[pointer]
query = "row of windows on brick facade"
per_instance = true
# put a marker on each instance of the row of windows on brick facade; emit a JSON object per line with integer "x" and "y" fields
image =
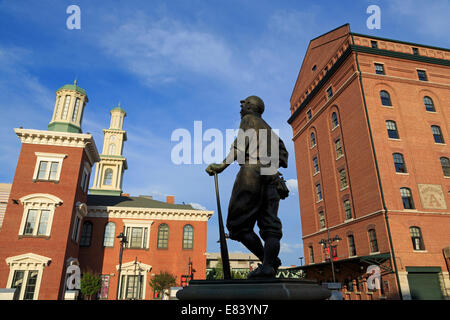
{"x": 392, "y": 132}
{"x": 386, "y": 101}
{"x": 416, "y": 239}
{"x": 137, "y": 236}
{"x": 379, "y": 69}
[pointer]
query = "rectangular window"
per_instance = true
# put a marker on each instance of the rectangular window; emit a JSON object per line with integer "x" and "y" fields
{"x": 343, "y": 179}
{"x": 43, "y": 222}
{"x": 31, "y": 285}
{"x": 379, "y": 68}
{"x": 136, "y": 238}
{"x": 318, "y": 192}
{"x": 31, "y": 222}
{"x": 316, "y": 165}
{"x": 133, "y": 287}
{"x": 311, "y": 254}
{"x": 415, "y": 51}
{"x": 339, "y": 152}
{"x": 309, "y": 114}
{"x": 374, "y": 44}
{"x": 17, "y": 281}
{"x": 422, "y": 75}
{"x": 42, "y": 170}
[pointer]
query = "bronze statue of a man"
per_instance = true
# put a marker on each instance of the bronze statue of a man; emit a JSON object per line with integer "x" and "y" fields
{"x": 258, "y": 187}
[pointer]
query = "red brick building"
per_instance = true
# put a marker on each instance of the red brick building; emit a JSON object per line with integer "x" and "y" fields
{"x": 51, "y": 222}
{"x": 370, "y": 120}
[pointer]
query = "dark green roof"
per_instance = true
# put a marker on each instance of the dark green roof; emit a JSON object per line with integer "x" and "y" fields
{"x": 133, "y": 202}
{"x": 73, "y": 87}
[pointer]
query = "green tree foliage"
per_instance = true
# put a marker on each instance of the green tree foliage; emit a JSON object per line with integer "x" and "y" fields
{"x": 90, "y": 284}
{"x": 162, "y": 281}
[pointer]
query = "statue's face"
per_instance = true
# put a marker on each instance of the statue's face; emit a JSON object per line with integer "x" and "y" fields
{"x": 247, "y": 107}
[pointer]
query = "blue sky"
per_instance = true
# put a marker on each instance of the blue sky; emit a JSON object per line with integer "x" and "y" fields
{"x": 171, "y": 63}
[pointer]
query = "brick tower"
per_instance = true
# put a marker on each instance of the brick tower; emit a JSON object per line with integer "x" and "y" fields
{"x": 47, "y": 203}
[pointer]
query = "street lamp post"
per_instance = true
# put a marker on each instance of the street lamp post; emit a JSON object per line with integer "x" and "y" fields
{"x": 328, "y": 243}
{"x": 123, "y": 241}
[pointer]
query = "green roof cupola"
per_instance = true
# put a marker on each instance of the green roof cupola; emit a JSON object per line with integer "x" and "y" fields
{"x": 68, "y": 112}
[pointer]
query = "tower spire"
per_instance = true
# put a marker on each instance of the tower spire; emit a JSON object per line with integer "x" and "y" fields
{"x": 109, "y": 171}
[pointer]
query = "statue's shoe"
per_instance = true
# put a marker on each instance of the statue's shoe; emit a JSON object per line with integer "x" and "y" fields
{"x": 262, "y": 272}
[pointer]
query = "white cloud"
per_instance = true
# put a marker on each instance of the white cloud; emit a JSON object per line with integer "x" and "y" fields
{"x": 159, "y": 51}
{"x": 197, "y": 206}
{"x": 290, "y": 247}
{"x": 427, "y": 17}
{"x": 292, "y": 185}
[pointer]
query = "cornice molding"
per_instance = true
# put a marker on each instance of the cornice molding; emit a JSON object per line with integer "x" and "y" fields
{"x": 148, "y": 213}
{"x": 63, "y": 139}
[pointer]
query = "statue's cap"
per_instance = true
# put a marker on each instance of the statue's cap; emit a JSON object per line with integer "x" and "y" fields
{"x": 256, "y": 101}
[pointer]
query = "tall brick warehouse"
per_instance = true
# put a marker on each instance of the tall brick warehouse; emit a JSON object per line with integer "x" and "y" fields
{"x": 370, "y": 120}
{"x": 51, "y": 223}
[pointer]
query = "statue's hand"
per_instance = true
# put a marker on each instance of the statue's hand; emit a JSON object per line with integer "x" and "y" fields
{"x": 215, "y": 168}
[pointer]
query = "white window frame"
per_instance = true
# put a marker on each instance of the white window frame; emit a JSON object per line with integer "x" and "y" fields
{"x": 84, "y": 184}
{"x": 129, "y": 269}
{"x": 138, "y": 224}
{"x": 48, "y": 157}
{"x": 27, "y": 262}
{"x": 39, "y": 201}
{"x": 81, "y": 212}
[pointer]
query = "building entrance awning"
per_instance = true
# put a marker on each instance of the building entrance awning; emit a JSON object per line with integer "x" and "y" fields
{"x": 375, "y": 259}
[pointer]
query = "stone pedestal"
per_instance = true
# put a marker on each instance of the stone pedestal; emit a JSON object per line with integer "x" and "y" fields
{"x": 270, "y": 289}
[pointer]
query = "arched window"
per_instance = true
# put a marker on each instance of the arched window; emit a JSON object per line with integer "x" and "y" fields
{"x": 334, "y": 120}
{"x": 313, "y": 139}
{"x": 373, "y": 242}
{"x": 110, "y": 233}
{"x": 429, "y": 105}
{"x": 385, "y": 98}
{"x": 108, "y": 177}
{"x": 399, "y": 163}
{"x": 322, "y": 219}
{"x": 347, "y": 210}
{"x": 188, "y": 237}
{"x": 66, "y": 107}
{"x": 86, "y": 234}
{"x": 163, "y": 236}
{"x": 75, "y": 109}
{"x": 351, "y": 246}
{"x": 392, "y": 129}
{"x": 407, "y": 199}
{"x": 445, "y": 163}
{"x": 112, "y": 149}
{"x": 416, "y": 237}
{"x": 437, "y": 134}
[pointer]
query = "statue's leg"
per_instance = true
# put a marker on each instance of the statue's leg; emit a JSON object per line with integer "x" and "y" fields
{"x": 253, "y": 243}
{"x": 271, "y": 251}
